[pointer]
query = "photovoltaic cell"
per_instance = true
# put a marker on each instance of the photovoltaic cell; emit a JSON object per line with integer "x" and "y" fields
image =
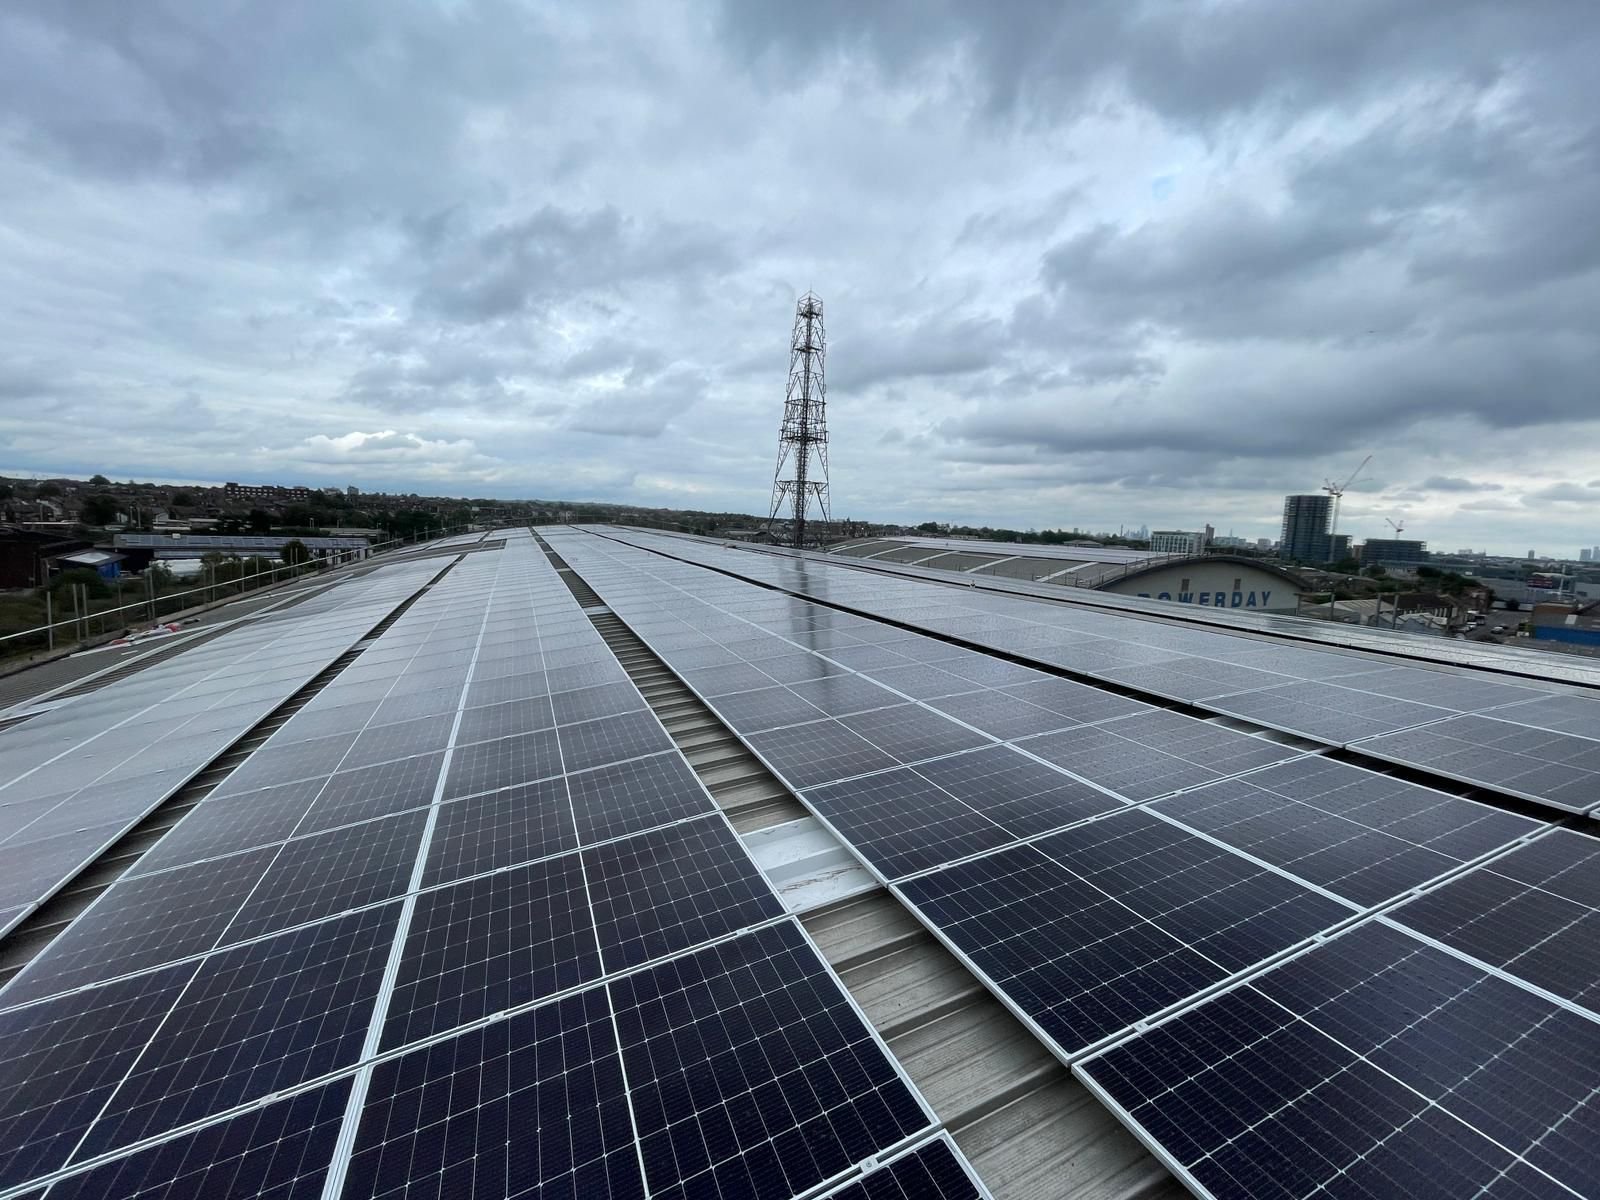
{"x": 534, "y": 1105}
{"x": 1373, "y": 1065}
{"x": 256, "y": 1019}
{"x": 750, "y": 1072}
{"x": 673, "y": 888}
{"x": 492, "y": 943}
{"x": 1534, "y": 913}
{"x": 276, "y": 1152}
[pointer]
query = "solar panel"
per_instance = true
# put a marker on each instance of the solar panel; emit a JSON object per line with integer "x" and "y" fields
{"x": 142, "y": 923}
{"x": 61, "y": 1060}
{"x": 611, "y": 739}
{"x": 1325, "y": 712}
{"x": 1112, "y": 921}
{"x": 504, "y": 762}
{"x": 1190, "y": 679}
{"x": 1001, "y": 715}
{"x": 490, "y": 943}
{"x": 1145, "y": 756}
{"x": 765, "y": 708}
{"x": 900, "y": 823}
{"x": 1534, "y": 913}
{"x": 383, "y": 743}
{"x": 360, "y": 795}
{"x": 1363, "y": 836}
{"x": 817, "y": 753}
{"x": 1371, "y": 1065}
{"x": 933, "y": 1171}
{"x": 501, "y": 829}
{"x": 605, "y": 700}
{"x": 1551, "y": 768}
{"x": 751, "y": 1073}
{"x": 669, "y": 889}
{"x": 277, "y": 1151}
{"x": 532, "y": 1105}
{"x": 509, "y": 717}
{"x": 1020, "y": 794}
{"x": 254, "y": 1020}
{"x": 326, "y": 874}
{"x": 911, "y": 732}
{"x": 629, "y": 797}
{"x": 1445, "y": 689}
{"x": 1575, "y": 714}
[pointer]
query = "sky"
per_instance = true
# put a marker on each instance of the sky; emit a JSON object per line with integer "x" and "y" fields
{"x": 1092, "y": 264}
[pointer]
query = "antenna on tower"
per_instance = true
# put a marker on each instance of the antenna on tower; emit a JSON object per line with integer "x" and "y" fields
{"x": 803, "y": 438}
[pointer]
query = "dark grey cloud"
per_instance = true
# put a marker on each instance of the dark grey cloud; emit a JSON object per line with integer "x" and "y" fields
{"x": 553, "y": 254}
{"x": 1455, "y": 483}
{"x": 1192, "y": 64}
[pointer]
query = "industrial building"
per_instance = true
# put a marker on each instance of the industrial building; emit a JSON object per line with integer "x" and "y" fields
{"x": 1211, "y": 580}
{"x": 603, "y": 862}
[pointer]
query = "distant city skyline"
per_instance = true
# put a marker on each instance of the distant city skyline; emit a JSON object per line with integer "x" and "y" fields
{"x": 1092, "y": 264}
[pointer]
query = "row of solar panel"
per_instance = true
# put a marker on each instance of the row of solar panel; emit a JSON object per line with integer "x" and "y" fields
{"x": 1117, "y": 919}
{"x": 511, "y": 896}
{"x": 79, "y": 775}
{"x": 1378, "y": 1064}
{"x": 142, "y": 1012}
{"x": 1392, "y": 644}
{"x": 1539, "y": 742}
{"x": 1335, "y": 825}
{"x": 738, "y": 1070}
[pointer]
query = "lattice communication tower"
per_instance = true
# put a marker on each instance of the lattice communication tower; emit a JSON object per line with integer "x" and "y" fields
{"x": 801, "y": 477}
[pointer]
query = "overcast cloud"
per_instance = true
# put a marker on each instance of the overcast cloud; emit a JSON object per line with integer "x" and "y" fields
{"x": 1091, "y": 263}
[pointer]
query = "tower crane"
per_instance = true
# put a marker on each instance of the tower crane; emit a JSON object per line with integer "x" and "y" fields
{"x": 1337, "y": 490}
{"x": 1398, "y": 528}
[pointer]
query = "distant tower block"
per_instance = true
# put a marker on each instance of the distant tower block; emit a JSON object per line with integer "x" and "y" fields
{"x": 801, "y": 479}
